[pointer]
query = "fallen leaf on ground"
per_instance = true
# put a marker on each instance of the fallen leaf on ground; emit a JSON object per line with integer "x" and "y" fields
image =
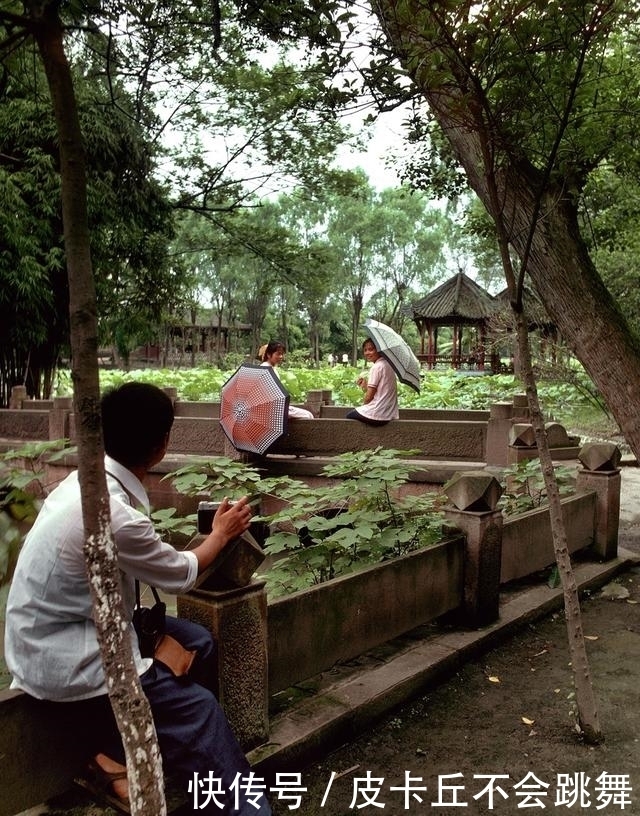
{"x": 527, "y": 721}
{"x": 493, "y": 679}
{"x": 591, "y": 637}
{"x": 615, "y": 591}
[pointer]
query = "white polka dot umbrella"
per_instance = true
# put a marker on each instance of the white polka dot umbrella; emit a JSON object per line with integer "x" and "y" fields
{"x": 254, "y": 408}
{"x": 396, "y": 350}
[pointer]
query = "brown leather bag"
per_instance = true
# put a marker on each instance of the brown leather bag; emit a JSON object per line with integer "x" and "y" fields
{"x": 150, "y": 624}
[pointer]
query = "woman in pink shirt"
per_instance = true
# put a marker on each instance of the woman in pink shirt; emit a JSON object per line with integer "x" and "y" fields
{"x": 380, "y": 390}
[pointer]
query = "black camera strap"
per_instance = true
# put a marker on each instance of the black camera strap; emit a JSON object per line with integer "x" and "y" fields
{"x": 153, "y": 589}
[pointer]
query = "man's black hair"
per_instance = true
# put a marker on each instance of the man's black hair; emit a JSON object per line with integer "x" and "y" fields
{"x": 136, "y": 418}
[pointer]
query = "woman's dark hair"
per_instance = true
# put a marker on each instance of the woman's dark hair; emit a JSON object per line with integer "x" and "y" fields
{"x": 136, "y": 418}
{"x": 272, "y": 347}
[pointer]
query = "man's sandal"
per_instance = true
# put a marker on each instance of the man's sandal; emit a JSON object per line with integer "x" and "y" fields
{"x": 99, "y": 777}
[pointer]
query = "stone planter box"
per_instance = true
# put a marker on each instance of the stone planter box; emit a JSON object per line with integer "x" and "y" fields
{"x": 527, "y": 546}
{"x": 311, "y": 630}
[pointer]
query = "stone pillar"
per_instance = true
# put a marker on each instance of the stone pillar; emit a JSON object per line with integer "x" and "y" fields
{"x": 521, "y": 411}
{"x": 314, "y": 401}
{"x": 474, "y": 496}
{"x": 171, "y": 392}
{"x": 59, "y": 417}
{"x": 522, "y": 443}
{"x": 18, "y": 394}
{"x": 498, "y": 429}
{"x": 601, "y": 474}
{"x": 237, "y": 618}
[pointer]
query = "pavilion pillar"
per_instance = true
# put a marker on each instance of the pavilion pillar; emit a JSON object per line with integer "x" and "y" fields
{"x": 456, "y": 346}
{"x": 483, "y": 345}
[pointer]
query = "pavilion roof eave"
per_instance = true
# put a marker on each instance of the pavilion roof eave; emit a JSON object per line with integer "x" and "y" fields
{"x": 449, "y": 320}
{"x": 459, "y": 299}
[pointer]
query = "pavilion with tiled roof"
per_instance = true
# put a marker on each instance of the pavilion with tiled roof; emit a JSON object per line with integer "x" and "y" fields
{"x": 456, "y": 303}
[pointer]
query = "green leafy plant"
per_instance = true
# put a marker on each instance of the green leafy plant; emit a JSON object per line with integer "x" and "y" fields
{"x": 213, "y": 478}
{"x": 173, "y": 527}
{"x": 216, "y": 477}
{"x": 359, "y": 518}
{"x": 22, "y": 489}
{"x": 525, "y": 488}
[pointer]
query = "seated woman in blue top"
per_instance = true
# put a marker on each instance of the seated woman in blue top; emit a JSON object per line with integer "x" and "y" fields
{"x": 380, "y": 403}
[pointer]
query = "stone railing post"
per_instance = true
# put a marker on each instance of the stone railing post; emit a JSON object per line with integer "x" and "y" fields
{"x": 498, "y": 428}
{"x": 314, "y": 401}
{"x": 172, "y": 392}
{"x": 522, "y": 443}
{"x": 18, "y": 394}
{"x": 474, "y": 496}
{"x": 59, "y": 417}
{"x": 521, "y": 411}
{"x": 237, "y": 618}
{"x": 601, "y": 474}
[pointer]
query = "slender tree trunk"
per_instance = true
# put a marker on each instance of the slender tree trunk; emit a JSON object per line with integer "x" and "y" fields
{"x": 585, "y": 699}
{"x": 129, "y": 703}
{"x": 559, "y": 265}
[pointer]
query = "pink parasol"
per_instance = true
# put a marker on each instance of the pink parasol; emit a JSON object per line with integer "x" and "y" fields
{"x": 254, "y": 408}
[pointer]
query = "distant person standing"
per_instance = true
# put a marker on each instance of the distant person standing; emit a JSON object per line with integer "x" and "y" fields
{"x": 380, "y": 404}
{"x": 272, "y": 354}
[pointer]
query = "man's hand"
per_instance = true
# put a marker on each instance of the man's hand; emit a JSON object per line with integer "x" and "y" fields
{"x": 232, "y": 518}
{"x": 230, "y": 521}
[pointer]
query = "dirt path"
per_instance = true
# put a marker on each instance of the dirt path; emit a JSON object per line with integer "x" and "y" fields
{"x": 508, "y": 713}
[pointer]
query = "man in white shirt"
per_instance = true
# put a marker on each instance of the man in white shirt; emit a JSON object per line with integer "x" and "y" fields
{"x": 51, "y": 646}
{"x": 380, "y": 390}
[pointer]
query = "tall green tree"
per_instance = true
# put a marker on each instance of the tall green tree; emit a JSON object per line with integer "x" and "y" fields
{"x": 610, "y": 222}
{"x": 413, "y": 250}
{"x": 131, "y": 708}
{"x": 356, "y": 229}
{"x": 129, "y": 217}
{"x": 530, "y": 100}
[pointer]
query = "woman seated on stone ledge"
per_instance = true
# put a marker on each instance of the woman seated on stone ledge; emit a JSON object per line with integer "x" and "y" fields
{"x": 272, "y": 354}
{"x": 380, "y": 404}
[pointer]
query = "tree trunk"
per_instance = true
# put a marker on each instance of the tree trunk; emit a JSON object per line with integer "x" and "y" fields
{"x": 585, "y": 699}
{"x": 129, "y": 703}
{"x": 559, "y": 265}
